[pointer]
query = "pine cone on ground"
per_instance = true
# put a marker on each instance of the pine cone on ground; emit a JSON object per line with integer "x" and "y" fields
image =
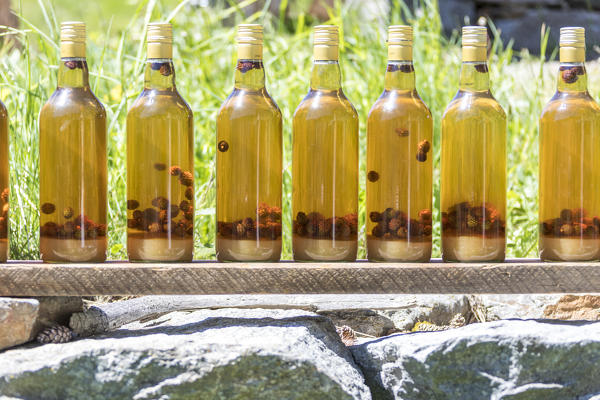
{"x": 55, "y": 334}
{"x": 346, "y": 334}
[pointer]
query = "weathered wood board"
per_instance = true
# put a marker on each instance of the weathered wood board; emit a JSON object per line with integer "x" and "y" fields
{"x": 122, "y": 278}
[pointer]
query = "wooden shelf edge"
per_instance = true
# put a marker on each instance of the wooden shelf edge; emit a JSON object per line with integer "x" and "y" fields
{"x": 33, "y": 278}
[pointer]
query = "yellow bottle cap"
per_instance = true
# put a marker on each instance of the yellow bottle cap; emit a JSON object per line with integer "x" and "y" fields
{"x": 474, "y": 43}
{"x": 72, "y": 39}
{"x": 250, "y": 41}
{"x": 160, "y": 40}
{"x": 572, "y": 44}
{"x": 326, "y": 42}
{"x": 400, "y": 39}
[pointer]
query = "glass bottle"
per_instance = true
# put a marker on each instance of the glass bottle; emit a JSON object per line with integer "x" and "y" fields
{"x": 4, "y": 185}
{"x": 160, "y": 161}
{"x": 73, "y": 161}
{"x": 249, "y": 161}
{"x": 473, "y": 185}
{"x": 569, "y": 162}
{"x": 399, "y": 162}
{"x": 325, "y": 162}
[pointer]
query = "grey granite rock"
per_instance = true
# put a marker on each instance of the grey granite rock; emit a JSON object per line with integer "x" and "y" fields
{"x": 222, "y": 354}
{"x": 509, "y": 359}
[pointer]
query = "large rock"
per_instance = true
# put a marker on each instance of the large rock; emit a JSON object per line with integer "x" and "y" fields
{"x": 496, "y": 360}
{"x": 17, "y": 321}
{"x": 224, "y": 354}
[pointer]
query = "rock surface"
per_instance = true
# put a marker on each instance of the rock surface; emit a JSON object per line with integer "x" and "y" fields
{"x": 505, "y": 306}
{"x": 223, "y": 354}
{"x": 375, "y": 315}
{"x": 573, "y": 307}
{"x": 56, "y": 310}
{"x": 17, "y": 321}
{"x": 496, "y": 360}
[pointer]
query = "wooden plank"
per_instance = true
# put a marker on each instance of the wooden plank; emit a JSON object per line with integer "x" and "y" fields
{"x": 121, "y": 278}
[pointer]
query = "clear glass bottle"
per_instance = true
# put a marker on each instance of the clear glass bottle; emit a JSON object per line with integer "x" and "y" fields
{"x": 73, "y": 180}
{"x": 249, "y": 161}
{"x": 399, "y": 162}
{"x": 160, "y": 161}
{"x": 473, "y": 184}
{"x": 4, "y": 185}
{"x": 325, "y": 162}
{"x": 569, "y": 162}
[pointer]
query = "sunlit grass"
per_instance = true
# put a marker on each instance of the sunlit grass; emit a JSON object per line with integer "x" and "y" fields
{"x": 204, "y": 60}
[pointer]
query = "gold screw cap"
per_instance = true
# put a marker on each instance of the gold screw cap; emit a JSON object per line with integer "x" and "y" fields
{"x": 326, "y": 42}
{"x": 72, "y": 39}
{"x": 474, "y": 43}
{"x": 572, "y": 44}
{"x": 160, "y": 40}
{"x": 250, "y": 41}
{"x": 400, "y": 40}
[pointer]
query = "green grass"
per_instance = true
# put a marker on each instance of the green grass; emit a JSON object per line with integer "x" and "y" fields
{"x": 204, "y": 59}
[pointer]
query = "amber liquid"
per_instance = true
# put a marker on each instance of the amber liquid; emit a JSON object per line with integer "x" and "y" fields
{"x": 73, "y": 179}
{"x": 4, "y": 185}
{"x": 399, "y": 172}
{"x": 160, "y": 171}
{"x": 570, "y": 171}
{"x": 325, "y": 171}
{"x": 473, "y": 172}
{"x": 249, "y": 170}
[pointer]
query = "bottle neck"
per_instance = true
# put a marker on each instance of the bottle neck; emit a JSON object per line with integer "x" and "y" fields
{"x": 159, "y": 74}
{"x": 572, "y": 77}
{"x": 400, "y": 75}
{"x": 249, "y": 74}
{"x": 326, "y": 75}
{"x": 474, "y": 76}
{"x": 73, "y": 73}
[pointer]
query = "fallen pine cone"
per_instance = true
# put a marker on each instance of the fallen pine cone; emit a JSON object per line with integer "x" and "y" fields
{"x": 347, "y": 335}
{"x": 55, "y": 334}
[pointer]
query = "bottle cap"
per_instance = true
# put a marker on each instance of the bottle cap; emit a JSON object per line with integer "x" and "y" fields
{"x": 72, "y": 40}
{"x": 572, "y": 44}
{"x": 250, "y": 42}
{"x": 400, "y": 39}
{"x": 326, "y": 42}
{"x": 160, "y": 40}
{"x": 474, "y": 43}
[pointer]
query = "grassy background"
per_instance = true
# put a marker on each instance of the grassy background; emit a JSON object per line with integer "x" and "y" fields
{"x": 204, "y": 61}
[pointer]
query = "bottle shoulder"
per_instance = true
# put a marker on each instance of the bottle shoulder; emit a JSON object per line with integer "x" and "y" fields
{"x": 571, "y": 104}
{"x": 395, "y": 104}
{"x": 157, "y": 103}
{"x": 318, "y": 103}
{"x": 468, "y": 104}
{"x": 80, "y": 102}
{"x": 241, "y": 103}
